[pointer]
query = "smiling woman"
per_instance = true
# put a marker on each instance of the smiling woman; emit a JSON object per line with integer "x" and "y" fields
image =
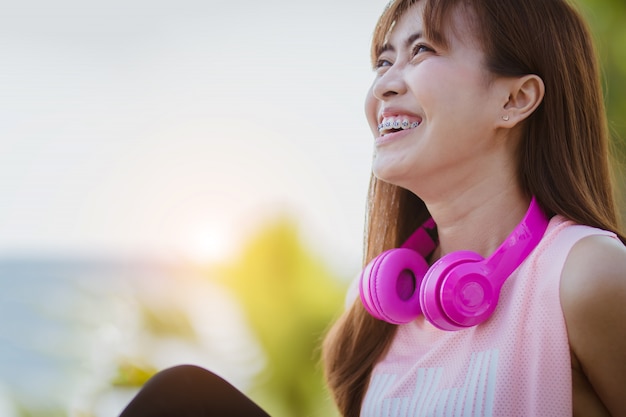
{"x": 477, "y": 298}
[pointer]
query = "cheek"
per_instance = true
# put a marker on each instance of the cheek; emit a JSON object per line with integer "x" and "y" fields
{"x": 371, "y": 110}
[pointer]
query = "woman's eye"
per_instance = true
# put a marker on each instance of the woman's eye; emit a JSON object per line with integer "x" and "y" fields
{"x": 382, "y": 63}
{"x": 420, "y": 48}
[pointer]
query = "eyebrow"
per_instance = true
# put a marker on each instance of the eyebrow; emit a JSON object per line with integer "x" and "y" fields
{"x": 388, "y": 47}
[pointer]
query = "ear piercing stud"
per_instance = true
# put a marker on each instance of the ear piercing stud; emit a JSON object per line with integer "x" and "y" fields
{"x": 505, "y": 117}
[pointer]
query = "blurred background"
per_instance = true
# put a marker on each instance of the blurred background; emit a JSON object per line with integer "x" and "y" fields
{"x": 184, "y": 182}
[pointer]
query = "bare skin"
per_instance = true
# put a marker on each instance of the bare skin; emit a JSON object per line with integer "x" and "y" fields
{"x": 593, "y": 298}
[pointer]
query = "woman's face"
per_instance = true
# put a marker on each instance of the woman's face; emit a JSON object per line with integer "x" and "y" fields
{"x": 433, "y": 110}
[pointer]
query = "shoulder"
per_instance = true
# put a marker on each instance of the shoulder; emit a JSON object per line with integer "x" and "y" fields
{"x": 595, "y": 266}
{"x": 593, "y": 283}
{"x": 593, "y": 299}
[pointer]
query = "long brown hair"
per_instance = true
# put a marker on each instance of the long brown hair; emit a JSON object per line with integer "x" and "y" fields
{"x": 564, "y": 158}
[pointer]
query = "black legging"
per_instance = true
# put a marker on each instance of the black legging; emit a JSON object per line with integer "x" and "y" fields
{"x": 190, "y": 391}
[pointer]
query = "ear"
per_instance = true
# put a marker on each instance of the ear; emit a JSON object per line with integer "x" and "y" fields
{"x": 525, "y": 95}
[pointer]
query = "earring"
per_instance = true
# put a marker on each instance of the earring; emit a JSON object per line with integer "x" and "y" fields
{"x": 505, "y": 117}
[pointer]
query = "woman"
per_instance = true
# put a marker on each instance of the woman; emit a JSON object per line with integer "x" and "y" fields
{"x": 486, "y": 114}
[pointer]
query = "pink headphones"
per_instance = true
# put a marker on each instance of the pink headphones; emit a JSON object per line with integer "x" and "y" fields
{"x": 460, "y": 290}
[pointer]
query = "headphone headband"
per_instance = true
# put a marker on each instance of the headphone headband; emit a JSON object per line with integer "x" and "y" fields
{"x": 520, "y": 242}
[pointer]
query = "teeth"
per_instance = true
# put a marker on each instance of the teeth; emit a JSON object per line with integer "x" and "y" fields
{"x": 404, "y": 124}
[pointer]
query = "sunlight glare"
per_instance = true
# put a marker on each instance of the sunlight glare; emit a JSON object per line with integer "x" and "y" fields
{"x": 209, "y": 244}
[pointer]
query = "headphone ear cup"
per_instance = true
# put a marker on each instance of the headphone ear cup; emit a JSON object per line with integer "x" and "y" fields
{"x": 448, "y": 291}
{"x": 470, "y": 294}
{"x": 389, "y": 285}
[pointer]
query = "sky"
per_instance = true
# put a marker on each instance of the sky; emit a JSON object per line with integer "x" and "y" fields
{"x": 176, "y": 128}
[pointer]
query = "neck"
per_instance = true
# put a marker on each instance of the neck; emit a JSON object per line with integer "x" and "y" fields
{"x": 477, "y": 222}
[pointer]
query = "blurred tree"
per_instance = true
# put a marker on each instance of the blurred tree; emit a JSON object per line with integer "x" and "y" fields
{"x": 608, "y": 23}
{"x": 290, "y": 298}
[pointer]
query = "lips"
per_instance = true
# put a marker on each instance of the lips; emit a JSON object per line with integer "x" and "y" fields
{"x": 391, "y": 124}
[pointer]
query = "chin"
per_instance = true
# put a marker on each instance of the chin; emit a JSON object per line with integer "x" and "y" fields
{"x": 398, "y": 175}
{"x": 390, "y": 175}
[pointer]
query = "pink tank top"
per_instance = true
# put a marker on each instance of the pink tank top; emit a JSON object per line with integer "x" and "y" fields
{"x": 517, "y": 364}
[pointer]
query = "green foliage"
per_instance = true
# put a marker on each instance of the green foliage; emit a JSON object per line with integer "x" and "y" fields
{"x": 130, "y": 374}
{"x": 608, "y": 22}
{"x": 607, "y": 19}
{"x": 290, "y": 299}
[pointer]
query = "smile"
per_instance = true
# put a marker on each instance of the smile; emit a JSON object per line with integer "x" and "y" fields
{"x": 396, "y": 124}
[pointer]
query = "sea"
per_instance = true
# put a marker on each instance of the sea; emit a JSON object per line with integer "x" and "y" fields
{"x": 67, "y": 325}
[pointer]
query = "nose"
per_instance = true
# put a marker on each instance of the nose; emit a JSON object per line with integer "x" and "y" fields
{"x": 389, "y": 84}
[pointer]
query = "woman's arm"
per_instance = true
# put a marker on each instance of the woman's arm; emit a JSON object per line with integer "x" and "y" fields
{"x": 593, "y": 298}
